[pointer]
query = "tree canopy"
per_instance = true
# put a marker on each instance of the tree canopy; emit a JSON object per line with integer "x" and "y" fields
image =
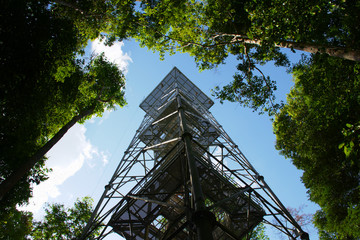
{"x": 253, "y": 31}
{"x": 310, "y": 130}
{"x": 59, "y": 222}
{"x": 45, "y": 89}
{"x": 64, "y": 223}
{"x": 211, "y": 30}
{"x": 15, "y": 224}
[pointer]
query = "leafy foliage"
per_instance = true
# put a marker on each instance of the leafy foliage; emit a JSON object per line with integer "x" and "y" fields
{"x": 351, "y": 144}
{"x": 64, "y": 223}
{"x": 15, "y": 224}
{"x": 44, "y": 86}
{"x": 59, "y": 222}
{"x": 309, "y": 130}
{"x": 36, "y": 48}
{"x": 258, "y": 233}
{"x": 253, "y": 31}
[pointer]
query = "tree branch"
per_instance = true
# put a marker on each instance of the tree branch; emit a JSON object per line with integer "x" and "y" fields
{"x": 335, "y": 51}
{"x": 262, "y": 74}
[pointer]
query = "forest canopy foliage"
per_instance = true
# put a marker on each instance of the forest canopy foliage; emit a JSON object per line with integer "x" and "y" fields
{"x": 59, "y": 222}
{"x": 254, "y": 32}
{"x": 319, "y": 121}
{"x": 45, "y": 90}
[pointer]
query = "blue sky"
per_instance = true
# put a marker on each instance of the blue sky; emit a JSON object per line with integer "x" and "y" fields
{"x": 85, "y": 159}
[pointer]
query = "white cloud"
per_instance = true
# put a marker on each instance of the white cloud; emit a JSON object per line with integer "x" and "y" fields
{"x": 104, "y": 158}
{"x": 66, "y": 158}
{"x": 114, "y": 53}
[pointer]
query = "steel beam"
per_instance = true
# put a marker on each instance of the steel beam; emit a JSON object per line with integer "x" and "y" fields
{"x": 203, "y": 218}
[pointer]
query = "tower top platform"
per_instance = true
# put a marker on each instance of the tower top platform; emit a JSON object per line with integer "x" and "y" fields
{"x": 175, "y": 79}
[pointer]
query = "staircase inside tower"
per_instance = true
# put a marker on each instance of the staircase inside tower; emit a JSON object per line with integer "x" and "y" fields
{"x": 159, "y": 207}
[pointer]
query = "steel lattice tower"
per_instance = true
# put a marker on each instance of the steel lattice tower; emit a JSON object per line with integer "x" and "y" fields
{"x": 182, "y": 177}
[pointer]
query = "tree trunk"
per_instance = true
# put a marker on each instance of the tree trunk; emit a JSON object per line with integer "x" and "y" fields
{"x": 341, "y": 52}
{"x": 15, "y": 177}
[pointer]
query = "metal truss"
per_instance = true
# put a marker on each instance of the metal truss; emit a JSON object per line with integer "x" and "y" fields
{"x": 182, "y": 177}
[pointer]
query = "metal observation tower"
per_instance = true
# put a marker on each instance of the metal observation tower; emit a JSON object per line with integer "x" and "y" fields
{"x": 182, "y": 177}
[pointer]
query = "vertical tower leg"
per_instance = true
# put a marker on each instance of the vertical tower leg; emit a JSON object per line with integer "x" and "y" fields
{"x": 203, "y": 218}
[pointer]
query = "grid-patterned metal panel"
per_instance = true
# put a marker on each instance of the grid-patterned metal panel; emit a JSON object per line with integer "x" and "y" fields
{"x": 165, "y": 91}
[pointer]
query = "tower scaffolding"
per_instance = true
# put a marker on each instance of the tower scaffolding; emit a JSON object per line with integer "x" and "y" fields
{"x": 182, "y": 177}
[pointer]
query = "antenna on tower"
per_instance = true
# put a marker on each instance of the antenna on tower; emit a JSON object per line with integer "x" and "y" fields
{"x": 182, "y": 177}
